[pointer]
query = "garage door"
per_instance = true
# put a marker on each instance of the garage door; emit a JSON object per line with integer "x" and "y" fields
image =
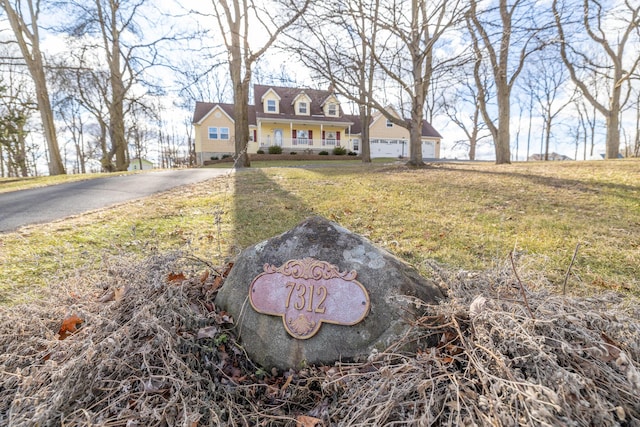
{"x": 387, "y": 148}
{"x": 428, "y": 150}
{"x": 397, "y": 148}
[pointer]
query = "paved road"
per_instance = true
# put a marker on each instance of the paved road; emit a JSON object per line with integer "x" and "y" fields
{"x": 54, "y": 202}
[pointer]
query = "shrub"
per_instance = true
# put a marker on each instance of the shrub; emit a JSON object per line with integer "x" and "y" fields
{"x": 352, "y": 153}
{"x": 226, "y": 156}
{"x": 293, "y": 153}
{"x": 339, "y": 151}
{"x": 260, "y": 152}
{"x": 275, "y": 149}
{"x": 214, "y": 157}
{"x": 323, "y": 153}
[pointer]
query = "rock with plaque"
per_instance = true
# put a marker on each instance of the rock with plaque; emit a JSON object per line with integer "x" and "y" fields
{"x": 319, "y": 293}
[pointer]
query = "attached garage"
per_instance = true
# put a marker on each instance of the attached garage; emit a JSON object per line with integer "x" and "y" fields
{"x": 400, "y": 148}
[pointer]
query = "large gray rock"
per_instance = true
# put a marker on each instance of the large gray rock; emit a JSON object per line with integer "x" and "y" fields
{"x": 391, "y": 284}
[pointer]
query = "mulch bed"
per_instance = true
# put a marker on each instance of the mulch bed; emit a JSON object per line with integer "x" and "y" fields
{"x": 144, "y": 345}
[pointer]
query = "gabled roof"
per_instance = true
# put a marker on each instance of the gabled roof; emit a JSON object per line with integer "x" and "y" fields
{"x": 330, "y": 96}
{"x": 302, "y": 94}
{"x": 287, "y": 96}
{"x": 204, "y": 108}
{"x": 266, "y": 92}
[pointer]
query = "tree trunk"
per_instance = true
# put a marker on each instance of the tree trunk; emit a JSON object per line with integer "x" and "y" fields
{"x": 365, "y": 143}
{"x": 613, "y": 126}
{"x": 415, "y": 145}
{"x": 29, "y": 44}
{"x": 116, "y": 107}
{"x": 503, "y": 140}
{"x": 241, "y": 126}
{"x": 547, "y": 137}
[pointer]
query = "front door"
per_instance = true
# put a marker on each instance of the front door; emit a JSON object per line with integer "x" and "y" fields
{"x": 277, "y": 135}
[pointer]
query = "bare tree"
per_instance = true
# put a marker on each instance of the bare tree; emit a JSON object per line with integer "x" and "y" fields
{"x": 234, "y": 18}
{"x": 608, "y": 53}
{"x": 636, "y": 141}
{"x": 546, "y": 82}
{"x": 23, "y": 16}
{"x": 462, "y": 107}
{"x": 409, "y": 31}
{"x": 123, "y": 38}
{"x": 504, "y": 35}
{"x": 14, "y": 114}
{"x": 334, "y": 41}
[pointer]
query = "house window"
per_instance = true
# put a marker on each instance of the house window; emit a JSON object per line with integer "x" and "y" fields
{"x": 302, "y": 107}
{"x": 271, "y": 105}
{"x": 356, "y": 144}
{"x": 389, "y": 123}
{"x": 330, "y": 138}
{"x": 213, "y": 133}
{"x": 332, "y": 110}
{"x": 302, "y": 137}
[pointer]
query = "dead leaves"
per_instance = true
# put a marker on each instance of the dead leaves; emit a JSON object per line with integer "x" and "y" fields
{"x": 69, "y": 326}
{"x": 208, "y": 332}
{"x": 176, "y": 278}
{"x": 116, "y": 294}
{"x": 307, "y": 421}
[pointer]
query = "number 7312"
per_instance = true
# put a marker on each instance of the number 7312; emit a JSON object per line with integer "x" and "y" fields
{"x": 303, "y": 296}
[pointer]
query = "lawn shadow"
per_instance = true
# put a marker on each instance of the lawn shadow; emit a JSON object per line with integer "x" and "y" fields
{"x": 624, "y": 191}
{"x": 262, "y": 208}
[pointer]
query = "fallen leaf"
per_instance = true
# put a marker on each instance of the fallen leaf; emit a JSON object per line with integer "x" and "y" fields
{"x": 208, "y": 332}
{"x": 217, "y": 283}
{"x": 286, "y": 384}
{"x": 307, "y": 421}
{"x": 224, "y": 317}
{"x": 69, "y": 326}
{"x": 204, "y": 276}
{"x": 227, "y": 270}
{"x": 120, "y": 292}
{"x": 108, "y": 297}
{"x": 176, "y": 277}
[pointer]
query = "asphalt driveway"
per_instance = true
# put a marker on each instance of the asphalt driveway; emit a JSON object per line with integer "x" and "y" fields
{"x": 40, "y": 205}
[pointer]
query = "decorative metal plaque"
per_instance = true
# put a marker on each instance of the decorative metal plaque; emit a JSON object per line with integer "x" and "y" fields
{"x": 308, "y": 292}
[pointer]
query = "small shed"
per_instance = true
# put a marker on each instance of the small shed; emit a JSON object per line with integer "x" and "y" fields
{"x": 140, "y": 164}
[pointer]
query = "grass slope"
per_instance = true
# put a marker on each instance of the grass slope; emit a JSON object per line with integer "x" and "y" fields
{"x": 465, "y": 215}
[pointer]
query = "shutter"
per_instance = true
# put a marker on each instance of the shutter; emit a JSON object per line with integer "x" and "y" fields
{"x": 338, "y": 138}
{"x": 323, "y": 137}
{"x": 294, "y": 137}
{"x": 310, "y": 137}
{"x": 255, "y": 135}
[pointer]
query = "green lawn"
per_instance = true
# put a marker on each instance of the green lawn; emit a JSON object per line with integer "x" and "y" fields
{"x": 464, "y": 215}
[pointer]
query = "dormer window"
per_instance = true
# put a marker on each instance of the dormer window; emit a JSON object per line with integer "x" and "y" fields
{"x": 271, "y": 105}
{"x": 332, "y": 110}
{"x": 302, "y": 107}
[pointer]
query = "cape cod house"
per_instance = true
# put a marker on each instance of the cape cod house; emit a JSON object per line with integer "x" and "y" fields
{"x": 300, "y": 120}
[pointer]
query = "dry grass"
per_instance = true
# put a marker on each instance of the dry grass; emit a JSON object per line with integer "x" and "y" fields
{"x": 153, "y": 351}
{"x": 23, "y": 183}
{"x": 469, "y": 215}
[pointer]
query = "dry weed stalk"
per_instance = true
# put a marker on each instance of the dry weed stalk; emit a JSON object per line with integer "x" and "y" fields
{"x": 138, "y": 361}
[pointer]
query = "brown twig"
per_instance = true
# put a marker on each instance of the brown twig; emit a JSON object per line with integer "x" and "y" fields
{"x": 566, "y": 277}
{"x": 524, "y": 295}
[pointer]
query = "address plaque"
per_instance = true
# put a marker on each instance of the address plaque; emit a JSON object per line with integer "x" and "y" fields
{"x": 308, "y": 292}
